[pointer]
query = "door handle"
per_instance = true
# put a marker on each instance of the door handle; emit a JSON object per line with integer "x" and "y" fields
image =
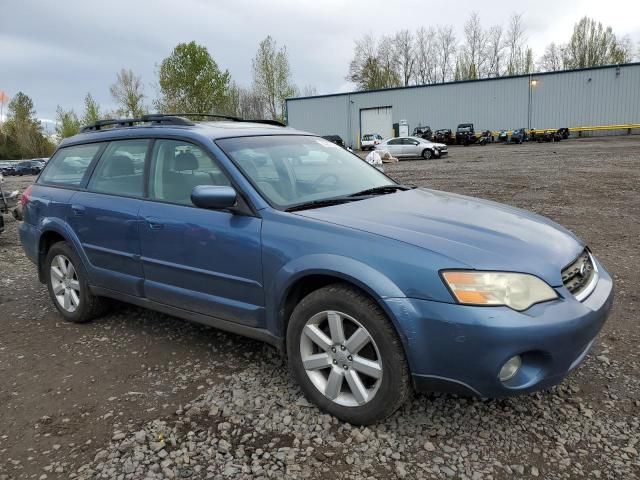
{"x": 78, "y": 210}
{"x": 154, "y": 224}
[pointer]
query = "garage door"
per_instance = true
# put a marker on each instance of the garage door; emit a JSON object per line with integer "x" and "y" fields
{"x": 376, "y": 120}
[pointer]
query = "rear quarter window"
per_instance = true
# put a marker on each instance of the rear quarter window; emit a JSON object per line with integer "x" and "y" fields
{"x": 69, "y": 165}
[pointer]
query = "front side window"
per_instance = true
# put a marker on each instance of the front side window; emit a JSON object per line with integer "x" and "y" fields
{"x": 69, "y": 165}
{"x": 290, "y": 169}
{"x": 120, "y": 170}
{"x": 177, "y": 167}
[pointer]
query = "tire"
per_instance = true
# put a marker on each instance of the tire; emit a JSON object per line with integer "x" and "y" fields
{"x": 427, "y": 154}
{"x": 83, "y": 306}
{"x": 377, "y": 398}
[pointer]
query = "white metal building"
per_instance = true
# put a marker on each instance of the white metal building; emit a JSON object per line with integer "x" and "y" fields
{"x": 587, "y": 97}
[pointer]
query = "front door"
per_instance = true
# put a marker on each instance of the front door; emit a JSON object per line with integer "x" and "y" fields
{"x": 202, "y": 261}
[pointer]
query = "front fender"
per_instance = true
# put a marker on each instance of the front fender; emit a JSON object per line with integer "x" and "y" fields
{"x": 352, "y": 271}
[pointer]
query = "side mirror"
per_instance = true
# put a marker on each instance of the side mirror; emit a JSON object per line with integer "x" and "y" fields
{"x": 213, "y": 198}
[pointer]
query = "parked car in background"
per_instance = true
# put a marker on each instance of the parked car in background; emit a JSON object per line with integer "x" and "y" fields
{"x": 545, "y": 136}
{"x": 29, "y": 167}
{"x": 369, "y": 141}
{"x": 503, "y": 136}
{"x": 463, "y": 132}
{"x": 519, "y": 135}
{"x": 372, "y": 288}
{"x": 564, "y": 133}
{"x": 7, "y": 168}
{"x": 413, "y": 147}
{"x": 337, "y": 139}
{"x": 444, "y": 135}
{"x": 423, "y": 132}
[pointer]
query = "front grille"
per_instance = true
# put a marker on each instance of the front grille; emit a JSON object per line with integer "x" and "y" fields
{"x": 577, "y": 277}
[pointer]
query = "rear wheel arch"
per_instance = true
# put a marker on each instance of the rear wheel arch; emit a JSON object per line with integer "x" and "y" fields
{"x": 47, "y": 240}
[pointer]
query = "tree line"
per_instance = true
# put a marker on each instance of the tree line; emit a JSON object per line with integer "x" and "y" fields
{"x": 435, "y": 55}
{"x": 189, "y": 80}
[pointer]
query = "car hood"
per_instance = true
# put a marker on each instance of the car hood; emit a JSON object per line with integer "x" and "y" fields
{"x": 480, "y": 234}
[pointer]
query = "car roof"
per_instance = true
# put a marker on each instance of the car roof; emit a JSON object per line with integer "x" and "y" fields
{"x": 212, "y": 130}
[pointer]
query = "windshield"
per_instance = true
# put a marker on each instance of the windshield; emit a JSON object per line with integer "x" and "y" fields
{"x": 289, "y": 170}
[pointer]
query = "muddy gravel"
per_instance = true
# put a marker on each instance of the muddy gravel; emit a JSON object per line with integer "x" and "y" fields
{"x": 138, "y": 394}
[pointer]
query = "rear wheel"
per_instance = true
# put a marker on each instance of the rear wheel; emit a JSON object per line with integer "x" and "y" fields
{"x": 427, "y": 154}
{"x": 347, "y": 356}
{"x": 68, "y": 287}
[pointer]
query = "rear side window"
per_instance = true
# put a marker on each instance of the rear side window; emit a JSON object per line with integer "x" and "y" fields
{"x": 120, "y": 170}
{"x": 69, "y": 165}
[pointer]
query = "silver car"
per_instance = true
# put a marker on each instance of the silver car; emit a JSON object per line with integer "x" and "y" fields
{"x": 406, "y": 147}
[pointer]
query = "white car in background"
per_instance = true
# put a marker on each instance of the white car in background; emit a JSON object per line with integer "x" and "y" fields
{"x": 369, "y": 141}
{"x": 412, "y": 147}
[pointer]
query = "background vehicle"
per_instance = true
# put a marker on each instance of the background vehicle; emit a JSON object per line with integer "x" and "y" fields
{"x": 464, "y": 132}
{"x": 29, "y": 167}
{"x": 444, "y": 135}
{"x": 423, "y": 132}
{"x": 519, "y": 135}
{"x": 369, "y": 141}
{"x": 337, "y": 139}
{"x": 8, "y": 201}
{"x": 545, "y": 136}
{"x": 503, "y": 136}
{"x": 564, "y": 133}
{"x": 7, "y": 168}
{"x": 413, "y": 147}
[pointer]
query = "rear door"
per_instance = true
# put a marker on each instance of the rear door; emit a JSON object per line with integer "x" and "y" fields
{"x": 203, "y": 261}
{"x": 105, "y": 217}
{"x": 394, "y": 147}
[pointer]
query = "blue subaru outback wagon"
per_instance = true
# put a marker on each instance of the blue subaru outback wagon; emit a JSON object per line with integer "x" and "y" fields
{"x": 372, "y": 288}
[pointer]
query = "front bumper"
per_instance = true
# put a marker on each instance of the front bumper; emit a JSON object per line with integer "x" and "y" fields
{"x": 461, "y": 349}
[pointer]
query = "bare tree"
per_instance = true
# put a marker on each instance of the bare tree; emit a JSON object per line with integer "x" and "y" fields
{"x": 426, "y": 56}
{"x": 128, "y": 94}
{"x": 494, "y": 51}
{"x": 373, "y": 64}
{"x": 445, "y": 51}
{"x": 309, "y": 91}
{"x": 404, "y": 55}
{"x": 624, "y": 52}
{"x": 552, "y": 58}
{"x": 516, "y": 48}
{"x": 472, "y": 59}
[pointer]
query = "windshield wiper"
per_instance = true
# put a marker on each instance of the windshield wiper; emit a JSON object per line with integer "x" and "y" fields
{"x": 381, "y": 190}
{"x": 327, "y": 202}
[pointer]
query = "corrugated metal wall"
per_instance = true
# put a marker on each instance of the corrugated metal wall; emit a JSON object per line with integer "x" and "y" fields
{"x": 602, "y": 96}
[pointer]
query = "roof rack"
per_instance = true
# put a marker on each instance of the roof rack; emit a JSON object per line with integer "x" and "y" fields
{"x": 229, "y": 117}
{"x": 157, "y": 118}
{"x": 168, "y": 119}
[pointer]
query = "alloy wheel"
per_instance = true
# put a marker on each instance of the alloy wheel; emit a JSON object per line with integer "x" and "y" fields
{"x": 341, "y": 358}
{"x": 65, "y": 283}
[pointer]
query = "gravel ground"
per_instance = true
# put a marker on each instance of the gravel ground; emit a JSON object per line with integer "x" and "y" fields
{"x": 142, "y": 395}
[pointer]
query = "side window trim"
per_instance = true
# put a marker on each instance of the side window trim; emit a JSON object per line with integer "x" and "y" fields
{"x": 146, "y": 176}
{"x": 92, "y": 165}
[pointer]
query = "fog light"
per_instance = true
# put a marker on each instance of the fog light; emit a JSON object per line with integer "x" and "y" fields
{"x": 510, "y": 368}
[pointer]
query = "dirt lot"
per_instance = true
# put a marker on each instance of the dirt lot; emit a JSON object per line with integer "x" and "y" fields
{"x": 138, "y": 394}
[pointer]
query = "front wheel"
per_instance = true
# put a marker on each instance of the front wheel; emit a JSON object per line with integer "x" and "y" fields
{"x": 68, "y": 286}
{"x": 346, "y": 355}
{"x": 427, "y": 154}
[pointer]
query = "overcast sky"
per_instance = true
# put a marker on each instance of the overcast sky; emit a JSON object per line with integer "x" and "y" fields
{"x": 57, "y": 51}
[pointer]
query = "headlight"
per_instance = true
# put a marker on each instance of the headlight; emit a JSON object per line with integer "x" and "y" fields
{"x": 515, "y": 290}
